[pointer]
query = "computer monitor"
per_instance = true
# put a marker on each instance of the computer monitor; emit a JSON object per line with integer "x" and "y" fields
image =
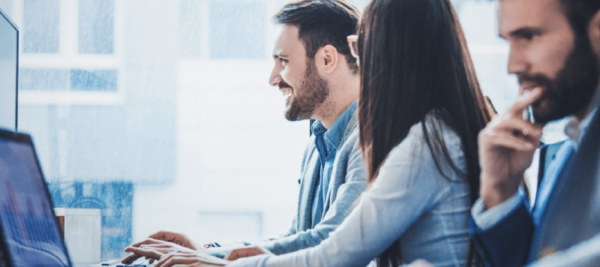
{"x": 29, "y": 231}
{"x": 9, "y": 60}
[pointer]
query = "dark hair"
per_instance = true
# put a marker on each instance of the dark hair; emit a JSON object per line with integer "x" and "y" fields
{"x": 414, "y": 61}
{"x": 579, "y": 13}
{"x": 322, "y": 22}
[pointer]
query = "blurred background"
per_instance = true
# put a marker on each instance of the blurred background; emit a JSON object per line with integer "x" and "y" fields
{"x": 159, "y": 112}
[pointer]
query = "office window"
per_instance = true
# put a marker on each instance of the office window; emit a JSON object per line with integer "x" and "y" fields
{"x": 41, "y": 26}
{"x": 237, "y": 29}
{"x": 96, "y": 26}
{"x": 190, "y": 29}
{"x": 43, "y": 79}
{"x": 65, "y": 80}
{"x": 96, "y": 80}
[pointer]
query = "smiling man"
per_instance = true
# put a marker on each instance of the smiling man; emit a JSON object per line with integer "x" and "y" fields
{"x": 319, "y": 80}
{"x": 554, "y": 52}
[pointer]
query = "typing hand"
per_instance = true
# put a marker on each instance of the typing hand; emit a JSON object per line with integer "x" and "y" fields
{"x": 189, "y": 259}
{"x": 506, "y": 149}
{"x": 246, "y": 252}
{"x": 152, "y": 249}
{"x": 177, "y": 238}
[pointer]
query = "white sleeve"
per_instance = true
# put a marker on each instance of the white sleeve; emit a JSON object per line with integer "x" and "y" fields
{"x": 487, "y": 219}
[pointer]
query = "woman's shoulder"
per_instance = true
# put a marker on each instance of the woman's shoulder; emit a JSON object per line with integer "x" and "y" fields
{"x": 416, "y": 142}
{"x": 436, "y": 124}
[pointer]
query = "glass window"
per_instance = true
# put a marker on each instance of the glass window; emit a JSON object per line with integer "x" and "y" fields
{"x": 190, "y": 37}
{"x": 96, "y": 80}
{"x": 43, "y": 79}
{"x": 96, "y": 26}
{"x": 41, "y": 26}
{"x": 64, "y": 80}
{"x": 237, "y": 29}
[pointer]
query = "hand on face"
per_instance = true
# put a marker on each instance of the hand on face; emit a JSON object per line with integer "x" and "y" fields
{"x": 246, "y": 252}
{"x": 161, "y": 242}
{"x": 506, "y": 148}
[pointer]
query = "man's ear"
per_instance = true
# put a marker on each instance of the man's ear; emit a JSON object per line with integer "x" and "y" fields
{"x": 327, "y": 58}
{"x": 594, "y": 33}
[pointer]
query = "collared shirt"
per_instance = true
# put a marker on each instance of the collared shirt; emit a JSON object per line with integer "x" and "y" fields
{"x": 575, "y": 130}
{"x": 327, "y": 142}
{"x": 411, "y": 201}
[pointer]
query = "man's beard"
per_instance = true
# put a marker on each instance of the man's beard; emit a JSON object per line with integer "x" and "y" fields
{"x": 573, "y": 87}
{"x": 311, "y": 93}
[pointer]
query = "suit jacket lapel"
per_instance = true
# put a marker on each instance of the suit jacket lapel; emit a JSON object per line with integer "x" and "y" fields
{"x": 572, "y": 213}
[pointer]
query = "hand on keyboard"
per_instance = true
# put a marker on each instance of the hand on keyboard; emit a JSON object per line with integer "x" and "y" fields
{"x": 152, "y": 249}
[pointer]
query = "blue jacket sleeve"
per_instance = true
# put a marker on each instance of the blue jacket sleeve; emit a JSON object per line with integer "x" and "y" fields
{"x": 507, "y": 243}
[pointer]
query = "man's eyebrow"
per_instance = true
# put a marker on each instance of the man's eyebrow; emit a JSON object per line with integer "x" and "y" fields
{"x": 523, "y": 32}
{"x": 278, "y": 55}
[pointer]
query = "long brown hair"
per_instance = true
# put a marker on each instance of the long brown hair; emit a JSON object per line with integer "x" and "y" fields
{"x": 414, "y": 60}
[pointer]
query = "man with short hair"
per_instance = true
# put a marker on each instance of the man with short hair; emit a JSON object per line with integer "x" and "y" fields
{"x": 319, "y": 80}
{"x": 554, "y": 51}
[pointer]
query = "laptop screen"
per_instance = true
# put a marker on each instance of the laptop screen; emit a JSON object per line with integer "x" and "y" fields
{"x": 29, "y": 227}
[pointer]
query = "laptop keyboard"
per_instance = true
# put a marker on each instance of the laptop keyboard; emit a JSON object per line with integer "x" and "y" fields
{"x": 117, "y": 263}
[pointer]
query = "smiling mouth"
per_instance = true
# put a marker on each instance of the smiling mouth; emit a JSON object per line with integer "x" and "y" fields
{"x": 287, "y": 94}
{"x": 286, "y": 91}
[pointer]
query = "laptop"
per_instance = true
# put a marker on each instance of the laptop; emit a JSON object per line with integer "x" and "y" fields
{"x": 29, "y": 231}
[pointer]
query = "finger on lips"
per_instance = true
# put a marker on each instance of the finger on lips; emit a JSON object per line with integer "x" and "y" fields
{"x": 525, "y": 100}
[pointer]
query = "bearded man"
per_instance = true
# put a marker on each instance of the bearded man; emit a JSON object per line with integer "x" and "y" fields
{"x": 319, "y": 80}
{"x": 554, "y": 52}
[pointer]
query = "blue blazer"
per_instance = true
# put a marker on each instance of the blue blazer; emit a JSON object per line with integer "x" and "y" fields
{"x": 572, "y": 213}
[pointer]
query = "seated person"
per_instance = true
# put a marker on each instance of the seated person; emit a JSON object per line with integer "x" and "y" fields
{"x": 552, "y": 52}
{"x": 420, "y": 112}
{"x": 319, "y": 80}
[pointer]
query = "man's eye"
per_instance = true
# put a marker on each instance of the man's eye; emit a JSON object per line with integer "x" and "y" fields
{"x": 283, "y": 61}
{"x": 529, "y": 35}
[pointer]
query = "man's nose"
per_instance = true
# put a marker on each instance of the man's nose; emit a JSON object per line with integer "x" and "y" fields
{"x": 517, "y": 62}
{"x": 275, "y": 78}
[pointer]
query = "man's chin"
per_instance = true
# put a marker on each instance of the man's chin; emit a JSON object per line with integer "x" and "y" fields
{"x": 544, "y": 114}
{"x": 292, "y": 115}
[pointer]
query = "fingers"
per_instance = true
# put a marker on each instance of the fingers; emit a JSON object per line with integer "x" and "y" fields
{"x": 245, "y": 252}
{"x": 162, "y": 235}
{"x": 517, "y": 126}
{"x": 147, "y": 242}
{"x": 176, "y": 258}
{"x": 510, "y": 141}
{"x": 147, "y": 252}
{"x": 234, "y": 255}
{"x": 131, "y": 258}
{"x": 525, "y": 100}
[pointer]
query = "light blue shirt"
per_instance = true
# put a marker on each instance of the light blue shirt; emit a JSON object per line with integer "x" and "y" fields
{"x": 327, "y": 141}
{"x": 410, "y": 201}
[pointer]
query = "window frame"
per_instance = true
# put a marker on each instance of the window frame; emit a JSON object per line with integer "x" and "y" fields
{"x": 69, "y": 58}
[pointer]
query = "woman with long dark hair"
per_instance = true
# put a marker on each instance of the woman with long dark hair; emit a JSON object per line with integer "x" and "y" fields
{"x": 420, "y": 112}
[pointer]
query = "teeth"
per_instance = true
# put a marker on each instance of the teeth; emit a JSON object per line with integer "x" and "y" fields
{"x": 286, "y": 92}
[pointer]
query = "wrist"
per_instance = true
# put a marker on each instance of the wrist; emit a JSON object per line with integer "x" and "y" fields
{"x": 495, "y": 193}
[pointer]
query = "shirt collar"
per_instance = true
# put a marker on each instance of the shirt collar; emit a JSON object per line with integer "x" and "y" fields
{"x": 333, "y": 136}
{"x": 575, "y": 129}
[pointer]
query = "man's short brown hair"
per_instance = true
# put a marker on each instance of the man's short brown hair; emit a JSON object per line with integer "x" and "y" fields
{"x": 322, "y": 22}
